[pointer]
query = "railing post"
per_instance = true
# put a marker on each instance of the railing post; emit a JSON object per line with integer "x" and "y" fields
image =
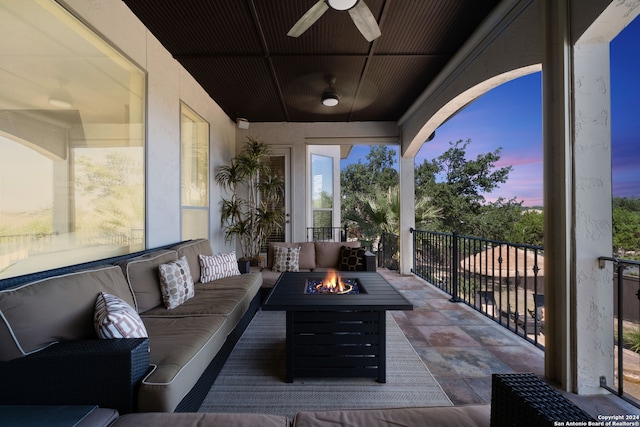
{"x": 411, "y": 230}
{"x": 454, "y": 268}
{"x": 620, "y": 330}
{"x": 343, "y": 237}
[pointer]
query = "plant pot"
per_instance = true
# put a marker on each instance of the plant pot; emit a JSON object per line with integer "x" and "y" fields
{"x": 257, "y": 261}
{"x": 244, "y": 266}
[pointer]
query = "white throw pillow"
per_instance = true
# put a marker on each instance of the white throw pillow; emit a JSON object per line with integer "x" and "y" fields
{"x": 218, "y": 267}
{"x": 114, "y": 318}
{"x": 286, "y": 259}
{"x": 176, "y": 283}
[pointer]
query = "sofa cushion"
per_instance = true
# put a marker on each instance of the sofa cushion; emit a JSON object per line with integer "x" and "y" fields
{"x": 351, "y": 259}
{"x": 214, "y": 267}
{"x": 201, "y": 419}
{"x": 191, "y": 250}
{"x": 38, "y": 314}
{"x": 144, "y": 279}
{"x": 441, "y": 416}
{"x": 244, "y": 281}
{"x": 204, "y": 303}
{"x": 181, "y": 350}
{"x": 176, "y": 284}
{"x": 114, "y": 318}
{"x": 307, "y": 253}
{"x": 328, "y": 253}
{"x": 286, "y": 259}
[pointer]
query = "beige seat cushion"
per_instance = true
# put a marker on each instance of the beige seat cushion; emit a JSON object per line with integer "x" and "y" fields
{"x": 449, "y": 416}
{"x": 221, "y": 302}
{"x": 180, "y": 351}
{"x": 244, "y": 281}
{"x": 196, "y": 419}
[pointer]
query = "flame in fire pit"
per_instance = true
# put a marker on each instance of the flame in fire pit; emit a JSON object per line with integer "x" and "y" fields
{"x": 333, "y": 284}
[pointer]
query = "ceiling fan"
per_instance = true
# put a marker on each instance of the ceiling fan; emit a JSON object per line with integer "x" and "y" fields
{"x": 359, "y": 11}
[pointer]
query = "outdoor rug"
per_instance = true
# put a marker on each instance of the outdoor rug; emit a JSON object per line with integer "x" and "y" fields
{"x": 252, "y": 379}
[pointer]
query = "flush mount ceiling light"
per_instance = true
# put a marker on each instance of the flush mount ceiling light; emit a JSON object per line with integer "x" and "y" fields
{"x": 60, "y": 98}
{"x": 359, "y": 11}
{"x": 330, "y": 96}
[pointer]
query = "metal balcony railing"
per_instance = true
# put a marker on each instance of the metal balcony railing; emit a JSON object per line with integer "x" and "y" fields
{"x": 626, "y": 310}
{"x": 502, "y": 280}
{"x": 328, "y": 234}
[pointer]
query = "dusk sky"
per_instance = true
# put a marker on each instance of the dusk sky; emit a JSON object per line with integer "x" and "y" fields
{"x": 510, "y": 116}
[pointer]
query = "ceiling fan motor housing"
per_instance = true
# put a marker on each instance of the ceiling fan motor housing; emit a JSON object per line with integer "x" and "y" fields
{"x": 341, "y": 4}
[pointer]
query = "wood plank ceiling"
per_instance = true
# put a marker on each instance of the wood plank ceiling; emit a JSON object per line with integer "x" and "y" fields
{"x": 239, "y": 52}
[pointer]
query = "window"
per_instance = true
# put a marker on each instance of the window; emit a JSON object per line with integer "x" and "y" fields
{"x": 71, "y": 143}
{"x": 195, "y": 175}
{"x": 322, "y": 190}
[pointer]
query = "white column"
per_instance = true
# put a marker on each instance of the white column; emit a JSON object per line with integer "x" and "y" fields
{"x": 577, "y": 206}
{"x": 593, "y": 217}
{"x": 407, "y": 212}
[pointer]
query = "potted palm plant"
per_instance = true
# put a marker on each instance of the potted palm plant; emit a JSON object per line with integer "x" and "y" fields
{"x": 250, "y": 213}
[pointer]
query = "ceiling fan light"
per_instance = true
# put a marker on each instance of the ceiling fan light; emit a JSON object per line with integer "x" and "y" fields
{"x": 341, "y": 4}
{"x": 330, "y": 97}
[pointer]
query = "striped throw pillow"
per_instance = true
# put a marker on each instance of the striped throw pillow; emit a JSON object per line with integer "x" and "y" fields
{"x": 114, "y": 318}
{"x": 218, "y": 266}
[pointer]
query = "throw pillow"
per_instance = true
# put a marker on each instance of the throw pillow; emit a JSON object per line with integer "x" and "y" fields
{"x": 351, "y": 259}
{"x": 114, "y": 318}
{"x": 218, "y": 266}
{"x": 286, "y": 259}
{"x": 176, "y": 284}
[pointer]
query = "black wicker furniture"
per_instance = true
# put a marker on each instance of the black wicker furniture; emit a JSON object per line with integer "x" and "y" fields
{"x": 524, "y": 400}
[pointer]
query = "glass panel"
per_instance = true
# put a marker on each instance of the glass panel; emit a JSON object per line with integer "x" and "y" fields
{"x": 322, "y": 218}
{"x": 71, "y": 143}
{"x": 195, "y": 159}
{"x": 195, "y": 223}
{"x": 322, "y": 181}
{"x": 277, "y": 165}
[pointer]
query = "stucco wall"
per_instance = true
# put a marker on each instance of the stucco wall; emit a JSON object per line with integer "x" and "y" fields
{"x": 168, "y": 84}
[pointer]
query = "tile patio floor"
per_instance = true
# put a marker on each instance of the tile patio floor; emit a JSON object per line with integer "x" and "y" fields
{"x": 462, "y": 348}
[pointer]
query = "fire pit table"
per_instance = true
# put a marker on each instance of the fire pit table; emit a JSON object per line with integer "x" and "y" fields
{"x": 340, "y": 333}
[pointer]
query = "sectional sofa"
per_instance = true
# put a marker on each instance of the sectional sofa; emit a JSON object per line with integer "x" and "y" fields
{"x": 51, "y": 353}
{"x": 316, "y": 256}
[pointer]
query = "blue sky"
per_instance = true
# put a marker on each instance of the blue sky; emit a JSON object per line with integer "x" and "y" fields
{"x": 510, "y": 117}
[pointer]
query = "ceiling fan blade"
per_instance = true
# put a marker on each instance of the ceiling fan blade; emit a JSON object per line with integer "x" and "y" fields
{"x": 312, "y": 15}
{"x": 365, "y": 21}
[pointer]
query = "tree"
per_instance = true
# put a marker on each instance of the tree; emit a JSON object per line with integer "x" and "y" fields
{"x": 456, "y": 186}
{"x": 528, "y": 229}
{"x": 115, "y": 194}
{"x": 626, "y": 230}
{"x": 498, "y": 219}
{"x": 360, "y": 181}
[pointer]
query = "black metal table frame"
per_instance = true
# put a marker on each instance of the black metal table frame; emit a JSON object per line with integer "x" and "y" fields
{"x": 339, "y": 336}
